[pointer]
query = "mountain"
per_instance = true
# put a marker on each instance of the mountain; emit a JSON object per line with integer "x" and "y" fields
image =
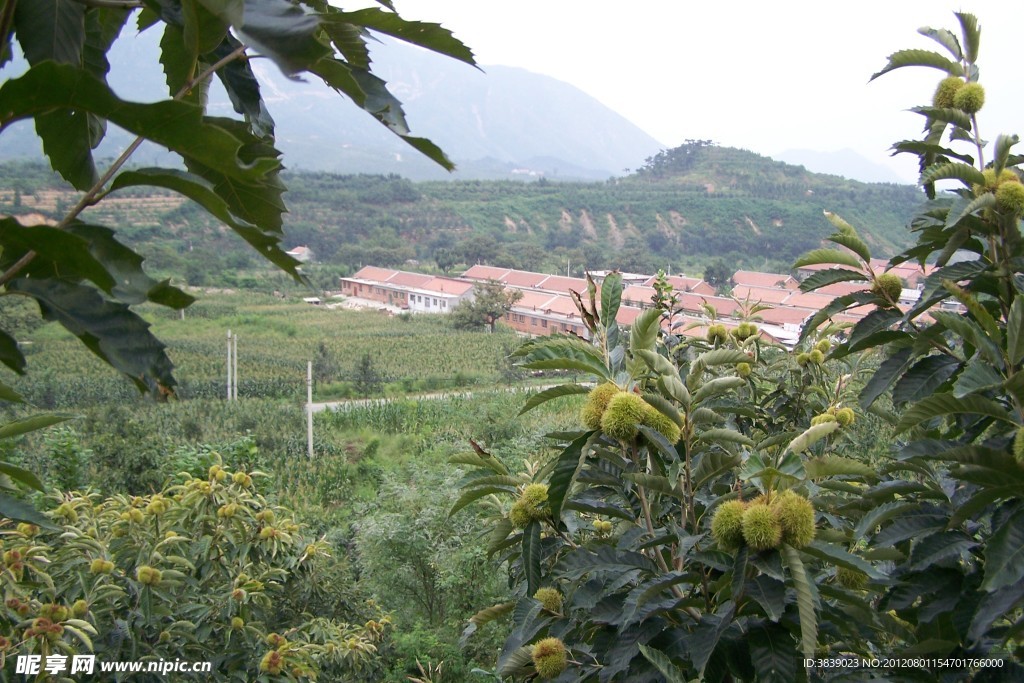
{"x": 844, "y": 162}
{"x": 495, "y": 122}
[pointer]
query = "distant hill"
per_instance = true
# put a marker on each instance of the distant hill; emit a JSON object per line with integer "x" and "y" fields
{"x": 495, "y": 123}
{"x": 845, "y": 162}
{"x": 684, "y": 208}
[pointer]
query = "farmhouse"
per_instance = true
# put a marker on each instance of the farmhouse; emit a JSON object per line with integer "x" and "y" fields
{"x": 415, "y": 292}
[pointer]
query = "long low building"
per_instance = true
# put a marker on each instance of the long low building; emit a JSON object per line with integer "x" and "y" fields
{"x": 414, "y": 292}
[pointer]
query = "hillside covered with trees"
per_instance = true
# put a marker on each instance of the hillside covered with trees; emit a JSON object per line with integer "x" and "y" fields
{"x": 681, "y": 209}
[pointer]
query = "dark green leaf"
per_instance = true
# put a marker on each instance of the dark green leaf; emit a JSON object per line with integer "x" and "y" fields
{"x": 20, "y": 474}
{"x": 887, "y": 373}
{"x": 823, "y": 278}
{"x": 1015, "y": 331}
{"x": 264, "y": 238}
{"x": 108, "y": 329}
{"x": 992, "y": 607}
{"x": 431, "y": 36}
{"x": 705, "y": 637}
{"x": 10, "y": 355}
{"x": 663, "y": 664}
{"x": 941, "y": 116}
{"x": 566, "y": 468}
{"x": 945, "y": 404}
{"x": 282, "y": 31}
{"x": 804, "y": 600}
{"x": 20, "y": 511}
{"x": 712, "y": 464}
{"x": 841, "y": 558}
{"x": 876, "y": 321}
{"x": 1004, "y": 555}
{"x": 962, "y": 210}
{"x": 176, "y": 125}
{"x": 476, "y": 493}
{"x": 880, "y": 515}
{"x": 1003, "y": 145}
{"x": 772, "y": 654}
{"x": 978, "y": 376}
{"x": 179, "y": 64}
{"x": 904, "y": 58}
{"x": 770, "y": 593}
{"x": 532, "y": 556}
{"x": 932, "y": 549}
{"x": 922, "y": 380}
{"x": 243, "y": 89}
{"x": 922, "y": 148}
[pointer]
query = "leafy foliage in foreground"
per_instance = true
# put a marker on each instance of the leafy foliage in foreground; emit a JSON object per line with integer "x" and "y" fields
{"x": 733, "y": 536}
{"x": 203, "y": 570}
{"x": 80, "y": 274}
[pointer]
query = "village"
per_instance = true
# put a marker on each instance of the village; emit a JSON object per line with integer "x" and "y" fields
{"x": 546, "y": 307}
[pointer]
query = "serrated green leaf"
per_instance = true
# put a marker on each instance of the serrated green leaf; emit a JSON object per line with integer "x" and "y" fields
{"x": 944, "y": 38}
{"x": 643, "y": 334}
{"x": 552, "y": 393}
{"x": 717, "y": 387}
{"x": 933, "y": 151}
{"x": 475, "y": 460}
{"x": 243, "y": 88}
{"x": 841, "y": 558}
{"x": 434, "y": 37}
{"x": 476, "y": 493}
{"x": 663, "y": 664}
{"x": 654, "y": 483}
{"x": 726, "y": 435}
{"x": 1015, "y": 331}
{"x": 965, "y": 173}
{"x": 567, "y": 467}
{"x": 902, "y": 58}
{"x": 712, "y": 464}
{"x": 824, "y": 278}
{"x": 969, "y": 208}
{"x": 847, "y": 236}
{"x": 924, "y": 378}
{"x": 979, "y": 312}
{"x": 804, "y": 600}
{"x": 836, "y": 465}
{"x": 978, "y": 376}
{"x": 827, "y": 256}
{"x": 673, "y": 387}
{"x": 940, "y": 405}
{"x": 772, "y": 653}
{"x": 264, "y": 237}
{"x": 486, "y": 616}
{"x": 1004, "y": 554}
{"x": 971, "y": 33}
{"x": 33, "y": 423}
{"x": 531, "y": 557}
{"x": 939, "y": 117}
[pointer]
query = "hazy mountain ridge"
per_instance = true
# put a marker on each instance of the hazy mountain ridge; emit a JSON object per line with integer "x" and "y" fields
{"x": 494, "y": 122}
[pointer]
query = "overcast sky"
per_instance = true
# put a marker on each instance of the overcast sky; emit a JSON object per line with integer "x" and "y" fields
{"x": 765, "y": 76}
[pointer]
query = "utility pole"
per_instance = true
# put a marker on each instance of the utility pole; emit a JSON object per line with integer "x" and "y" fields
{"x": 309, "y": 408}
{"x": 234, "y": 391}
{"x": 229, "y": 365}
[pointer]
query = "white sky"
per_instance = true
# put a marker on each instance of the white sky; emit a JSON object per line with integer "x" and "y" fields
{"x": 764, "y": 76}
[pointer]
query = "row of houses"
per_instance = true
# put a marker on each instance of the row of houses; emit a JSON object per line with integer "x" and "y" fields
{"x": 546, "y": 307}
